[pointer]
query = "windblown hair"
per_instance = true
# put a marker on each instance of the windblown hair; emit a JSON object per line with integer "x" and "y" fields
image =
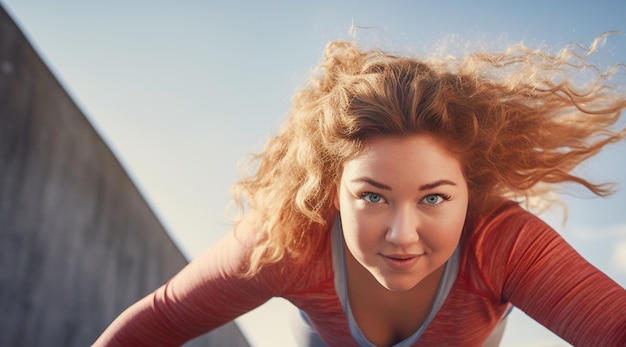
{"x": 516, "y": 119}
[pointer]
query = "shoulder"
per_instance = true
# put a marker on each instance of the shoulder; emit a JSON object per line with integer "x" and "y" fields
{"x": 294, "y": 271}
{"x": 506, "y": 213}
{"x": 503, "y": 237}
{"x": 505, "y": 222}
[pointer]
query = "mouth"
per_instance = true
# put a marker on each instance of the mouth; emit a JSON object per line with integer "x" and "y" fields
{"x": 401, "y": 262}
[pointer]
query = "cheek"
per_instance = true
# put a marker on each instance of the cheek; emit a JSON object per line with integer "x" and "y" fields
{"x": 444, "y": 232}
{"x": 359, "y": 233}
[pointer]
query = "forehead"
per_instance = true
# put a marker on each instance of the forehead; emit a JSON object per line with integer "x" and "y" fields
{"x": 416, "y": 155}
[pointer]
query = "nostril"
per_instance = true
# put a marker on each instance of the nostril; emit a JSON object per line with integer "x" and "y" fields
{"x": 402, "y": 234}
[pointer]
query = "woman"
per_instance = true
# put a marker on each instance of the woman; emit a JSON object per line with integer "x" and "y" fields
{"x": 387, "y": 208}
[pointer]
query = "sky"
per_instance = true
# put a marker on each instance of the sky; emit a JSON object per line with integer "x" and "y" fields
{"x": 183, "y": 91}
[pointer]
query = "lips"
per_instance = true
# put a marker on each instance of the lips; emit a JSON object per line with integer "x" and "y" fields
{"x": 401, "y": 262}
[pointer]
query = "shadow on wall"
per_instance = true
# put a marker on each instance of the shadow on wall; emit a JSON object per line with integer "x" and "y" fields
{"x": 78, "y": 243}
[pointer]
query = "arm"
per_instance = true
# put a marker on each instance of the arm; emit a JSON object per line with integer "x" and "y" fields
{"x": 546, "y": 278}
{"x": 206, "y": 294}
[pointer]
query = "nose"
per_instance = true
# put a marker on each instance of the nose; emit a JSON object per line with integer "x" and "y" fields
{"x": 404, "y": 228}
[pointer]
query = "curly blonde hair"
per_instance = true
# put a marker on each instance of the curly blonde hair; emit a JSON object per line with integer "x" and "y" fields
{"x": 517, "y": 119}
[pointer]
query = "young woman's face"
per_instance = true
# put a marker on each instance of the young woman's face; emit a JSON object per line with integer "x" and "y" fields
{"x": 402, "y": 204}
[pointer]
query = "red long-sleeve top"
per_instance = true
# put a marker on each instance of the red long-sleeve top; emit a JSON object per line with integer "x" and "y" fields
{"x": 511, "y": 257}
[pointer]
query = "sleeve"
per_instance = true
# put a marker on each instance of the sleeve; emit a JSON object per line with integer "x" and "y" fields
{"x": 206, "y": 294}
{"x": 548, "y": 280}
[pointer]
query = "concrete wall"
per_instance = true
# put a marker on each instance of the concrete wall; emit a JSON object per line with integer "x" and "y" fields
{"x": 78, "y": 243}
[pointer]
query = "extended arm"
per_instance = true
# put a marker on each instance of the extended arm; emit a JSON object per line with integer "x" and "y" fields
{"x": 546, "y": 278}
{"x": 206, "y": 294}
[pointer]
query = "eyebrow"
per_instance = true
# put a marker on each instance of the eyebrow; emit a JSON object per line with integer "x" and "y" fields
{"x": 372, "y": 182}
{"x": 436, "y": 184}
{"x": 426, "y": 186}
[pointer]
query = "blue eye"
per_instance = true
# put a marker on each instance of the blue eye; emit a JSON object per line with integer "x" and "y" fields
{"x": 435, "y": 199}
{"x": 372, "y": 198}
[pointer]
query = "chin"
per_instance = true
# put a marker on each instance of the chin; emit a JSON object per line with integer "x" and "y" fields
{"x": 396, "y": 285}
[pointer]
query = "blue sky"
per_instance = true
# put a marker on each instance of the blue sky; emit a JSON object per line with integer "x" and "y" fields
{"x": 181, "y": 91}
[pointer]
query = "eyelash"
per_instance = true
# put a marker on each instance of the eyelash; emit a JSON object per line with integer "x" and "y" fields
{"x": 363, "y": 196}
{"x": 445, "y": 197}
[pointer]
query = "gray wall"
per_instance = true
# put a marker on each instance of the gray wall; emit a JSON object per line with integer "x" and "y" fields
{"x": 78, "y": 243}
